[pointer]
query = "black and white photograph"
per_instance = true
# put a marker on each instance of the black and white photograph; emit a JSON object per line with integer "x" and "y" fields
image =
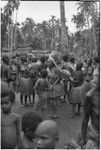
{"x": 50, "y": 74}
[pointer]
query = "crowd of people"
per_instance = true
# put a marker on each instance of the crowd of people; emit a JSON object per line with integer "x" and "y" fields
{"x": 47, "y": 82}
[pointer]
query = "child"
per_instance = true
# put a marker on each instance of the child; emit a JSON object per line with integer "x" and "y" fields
{"x": 29, "y": 124}
{"x": 10, "y": 122}
{"x": 14, "y": 73}
{"x": 47, "y": 135}
{"x": 5, "y": 68}
{"x": 23, "y": 82}
{"x": 76, "y": 91}
{"x": 42, "y": 88}
{"x": 43, "y": 64}
{"x": 26, "y": 86}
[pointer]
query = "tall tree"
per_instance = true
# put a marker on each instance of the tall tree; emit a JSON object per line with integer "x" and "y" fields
{"x": 87, "y": 17}
{"x": 7, "y": 17}
{"x": 88, "y": 9}
{"x": 64, "y": 40}
{"x": 27, "y": 30}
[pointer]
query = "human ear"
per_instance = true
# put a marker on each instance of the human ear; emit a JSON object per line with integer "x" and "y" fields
{"x": 27, "y": 131}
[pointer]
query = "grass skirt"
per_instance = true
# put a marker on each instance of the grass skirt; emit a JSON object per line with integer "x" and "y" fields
{"x": 26, "y": 86}
{"x": 75, "y": 95}
{"x": 57, "y": 91}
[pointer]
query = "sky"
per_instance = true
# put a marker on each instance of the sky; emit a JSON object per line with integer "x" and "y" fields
{"x": 43, "y": 10}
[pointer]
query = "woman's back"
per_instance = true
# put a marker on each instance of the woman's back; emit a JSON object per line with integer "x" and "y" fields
{"x": 42, "y": 85}
{"x": 78, "y": 77}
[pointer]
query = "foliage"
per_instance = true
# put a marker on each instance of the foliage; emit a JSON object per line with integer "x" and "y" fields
{"x": 79, "y": 20}
{"x": 6, "y": 19}
{"x": 85, "y": 21}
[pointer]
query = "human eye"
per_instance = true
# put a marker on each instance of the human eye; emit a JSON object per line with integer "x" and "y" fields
{"x": 44, "y": 138}
{"x": 6, "y": 103}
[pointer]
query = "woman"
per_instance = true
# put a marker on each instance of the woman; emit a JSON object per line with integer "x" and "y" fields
{"x": 56, "y": 88}
{"x": 75, "y": 93}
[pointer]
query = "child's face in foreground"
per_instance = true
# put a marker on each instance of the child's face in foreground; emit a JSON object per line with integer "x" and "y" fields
{"x": 6, "y": 104}
{"x": 44, "y": 140}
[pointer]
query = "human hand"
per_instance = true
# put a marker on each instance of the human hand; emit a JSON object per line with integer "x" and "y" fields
{"x": 72, "y": 144}
{"x": 82, "y": 143}
{"x": 52, "y": 59}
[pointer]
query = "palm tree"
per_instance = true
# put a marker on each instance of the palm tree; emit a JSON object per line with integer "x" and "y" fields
{"x": 15, "y": 29}
{"x": 54, "y": 26}
{"x": 10, "y": 7}
{"x": 88, "y": 9}
{"x": 15, "y": 5}
{"x": 64, "y": 40}
{"x": 28, "y": 30}
{"x": 79, "y": 20}
{"x": 8, "y": 12}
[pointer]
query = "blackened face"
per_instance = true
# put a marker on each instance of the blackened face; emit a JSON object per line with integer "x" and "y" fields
{"x": 6, "y": 104}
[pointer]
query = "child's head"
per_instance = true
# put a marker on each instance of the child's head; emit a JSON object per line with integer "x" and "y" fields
{"x": 96, "y": 60}
{"x": 5, "y": 59}
{"x": 44, "y": 73}
{"x": 50, "y": 64}
{"x": 47, "y": 135}
{"x": 29, "y": 124}
{"x": 7, "y": 99}
{"x": 31, "y": 73}
{"x": 42, "y": 59}
{"x": 65, "y": 58}
{"x": 79, "y": 66}
{"x": 72, "y": 59}
{"x": 34, "y": 60}
{"x": 90, "y": 62}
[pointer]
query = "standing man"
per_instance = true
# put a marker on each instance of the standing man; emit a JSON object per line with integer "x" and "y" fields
{"x": 91, "y": 119}
{"x": 5, "y": 70}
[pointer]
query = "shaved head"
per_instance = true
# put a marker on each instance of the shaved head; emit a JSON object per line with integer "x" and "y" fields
{"x": 47, "y": 129}
{"x": 50, "y": 127}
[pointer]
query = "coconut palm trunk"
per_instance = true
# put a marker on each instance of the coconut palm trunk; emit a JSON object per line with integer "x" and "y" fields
{"x": 15, "y": 29}
{"x": 12, "y": 29}
{"x": 89, "y": 34}
{"x": 64, "y": 40}
{"x": 8, "y": 30}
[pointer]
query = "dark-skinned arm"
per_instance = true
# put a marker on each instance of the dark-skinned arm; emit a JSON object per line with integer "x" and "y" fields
{"x": 18, "y": 132}
{"x": 87, "y": 110}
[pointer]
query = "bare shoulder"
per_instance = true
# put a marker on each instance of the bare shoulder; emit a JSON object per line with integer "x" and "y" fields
{"x": 15, "y": 116}
{"x": 39, "y": 80}
{"x": 91, "y": 92}
{"x": 9, "y": 120}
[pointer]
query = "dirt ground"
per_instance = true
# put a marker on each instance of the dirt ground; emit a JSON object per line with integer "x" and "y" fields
{"x": 67, "y": 126}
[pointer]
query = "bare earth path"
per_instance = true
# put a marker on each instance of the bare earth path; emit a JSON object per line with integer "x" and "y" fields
{"x": 67, "y": 125}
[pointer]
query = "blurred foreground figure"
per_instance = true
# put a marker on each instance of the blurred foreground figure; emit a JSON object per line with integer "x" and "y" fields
{"x": 29, "y": 125}
{"x": 10, "y": 122}
{"x": 47, "y": 135}
{"x": 91, "y": 120}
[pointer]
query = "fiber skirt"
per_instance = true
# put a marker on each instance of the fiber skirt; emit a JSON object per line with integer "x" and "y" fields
{"x": 76, "y": 95}
{"x": 26, "y": 86}
{"x": 57, "y": 91}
